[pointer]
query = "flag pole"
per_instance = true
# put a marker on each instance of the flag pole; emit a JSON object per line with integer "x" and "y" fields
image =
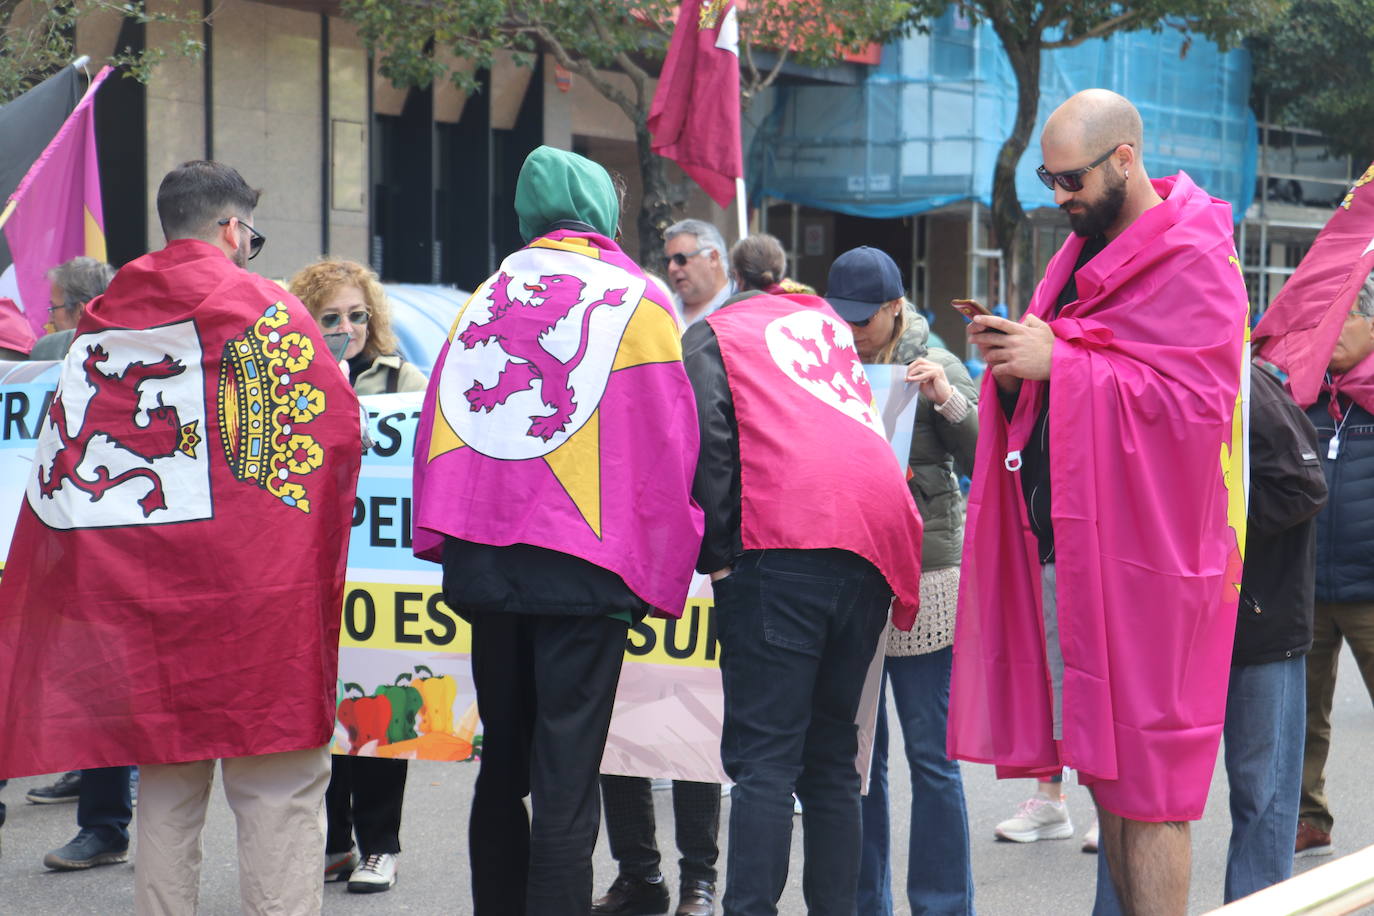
{"x": 742, "y": 207}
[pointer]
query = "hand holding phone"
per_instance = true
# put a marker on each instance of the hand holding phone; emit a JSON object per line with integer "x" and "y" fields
{"x": 972, "y": 308}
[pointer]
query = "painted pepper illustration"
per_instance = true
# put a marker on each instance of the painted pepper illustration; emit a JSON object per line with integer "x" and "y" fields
{"x": 438, "y": 693}
{"x": 405, "y": 703}
{"x": 366, "y": 718}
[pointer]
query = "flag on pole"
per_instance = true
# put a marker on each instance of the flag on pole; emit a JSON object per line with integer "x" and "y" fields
{"x": 694, "y": 119}
{"x": 1299, "y": 330}
{"x": 55, "y": 214}
{"x": 27, "y": 124}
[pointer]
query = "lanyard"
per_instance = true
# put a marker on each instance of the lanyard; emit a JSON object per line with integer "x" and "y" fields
{"x": 1334, "y": 448}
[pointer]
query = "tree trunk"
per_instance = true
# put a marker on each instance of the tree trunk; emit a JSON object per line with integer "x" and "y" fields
{"x": 655, "y": 210}
{"x": 1009, "y": 224}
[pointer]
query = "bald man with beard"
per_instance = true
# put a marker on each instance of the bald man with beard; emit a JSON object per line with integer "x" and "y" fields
{"x": 1099, "y": 588}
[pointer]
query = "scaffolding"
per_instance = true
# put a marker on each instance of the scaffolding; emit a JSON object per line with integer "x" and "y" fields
{"x": 924, "y": 129}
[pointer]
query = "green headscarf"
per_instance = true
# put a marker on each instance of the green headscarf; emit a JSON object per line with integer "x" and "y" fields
{"x": 555, "y": 184}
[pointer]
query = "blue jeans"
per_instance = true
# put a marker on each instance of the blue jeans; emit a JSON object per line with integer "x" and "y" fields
{"x": 1266, "y": 718}
{"x": 939, "y": 877}
{"x": 798, "y": 629}
{"x": 105, "y": 804}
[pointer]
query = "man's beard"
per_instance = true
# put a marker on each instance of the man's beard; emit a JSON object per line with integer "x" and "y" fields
{"x": 1096, "y": 218}
{"x": 241, "y": 254}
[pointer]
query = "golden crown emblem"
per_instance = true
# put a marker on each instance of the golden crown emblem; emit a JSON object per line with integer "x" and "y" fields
{"x": 708, "y": 17}
{"x": 262, "y": 406}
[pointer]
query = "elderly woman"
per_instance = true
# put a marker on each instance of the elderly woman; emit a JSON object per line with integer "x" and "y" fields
{"x": 865, "y": 288}
{"x": 365, "y": 793}
{"x": 346, "y": 296}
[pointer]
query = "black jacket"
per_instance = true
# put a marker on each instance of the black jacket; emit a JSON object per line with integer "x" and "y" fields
{"x": 716, "y": 487}
{"x": 523, "y": 579}
{"x": 1345, "y": 529}
{"x": 1287, "y": 490}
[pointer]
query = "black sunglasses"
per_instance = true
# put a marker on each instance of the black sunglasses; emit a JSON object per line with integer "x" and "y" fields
{"x": 330, "y": 320}
{"x": 680, "y": 259}
{"x": 1071, "y": 180}
{"x": 255, "y": 238}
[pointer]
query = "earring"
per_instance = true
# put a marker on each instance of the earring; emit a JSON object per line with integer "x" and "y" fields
{"x": 1126, "y": 172}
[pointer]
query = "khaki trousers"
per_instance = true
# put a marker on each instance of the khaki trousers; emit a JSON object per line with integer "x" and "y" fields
{"x": 1353, "y": 623}
{"x": 278, "y": 804}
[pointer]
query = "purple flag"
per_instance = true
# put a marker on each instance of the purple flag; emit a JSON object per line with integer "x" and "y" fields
{"x": 559, "y": 415}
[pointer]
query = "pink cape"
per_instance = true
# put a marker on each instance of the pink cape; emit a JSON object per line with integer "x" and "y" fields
{"x": 559, "y": 415}
{"x": 174, "y": 586}
{"x": 1146, "y": 375}
{"x": 1299, "y": 330}
{"x": 816, "y": 470}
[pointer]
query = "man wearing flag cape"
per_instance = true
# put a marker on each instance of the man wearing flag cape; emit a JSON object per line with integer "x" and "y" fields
{"x": 1320, "y": 330}
{"x": 172, "y": 592}
{"x": 1099, "y": 586}
{"x": 810, "y": 532}
{"x": 553, "y": 473}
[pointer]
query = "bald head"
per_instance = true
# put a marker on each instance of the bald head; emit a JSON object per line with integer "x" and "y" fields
{"x": 1092, "y": 122}
{"x": 1091, "y": 147}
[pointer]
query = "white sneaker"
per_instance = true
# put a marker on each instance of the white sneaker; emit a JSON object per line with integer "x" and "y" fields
{"x": 1037, "y": 818}
{"x": 376, "y": 874}
{"x": 339, "y": 865}
{"x": 1090, "y": 839}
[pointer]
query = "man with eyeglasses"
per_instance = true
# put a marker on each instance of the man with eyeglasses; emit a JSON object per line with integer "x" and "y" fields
{"x": 186, "y": 528}
{"x": 1102, "y": 642}
{"x": 695, "y": 257}
{"x": 73, "y": 284}
{"x": 1344, "y": 416}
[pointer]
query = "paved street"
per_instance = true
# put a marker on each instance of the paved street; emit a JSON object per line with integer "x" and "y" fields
{"x": 1043, "y": 878}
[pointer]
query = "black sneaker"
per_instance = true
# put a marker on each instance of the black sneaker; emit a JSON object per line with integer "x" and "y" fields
{"x": 66, "y": 789}
{"x": 86, "y": 851}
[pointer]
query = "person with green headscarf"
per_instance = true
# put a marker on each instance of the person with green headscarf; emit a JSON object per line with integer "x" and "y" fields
{"x": 544, "y": 493}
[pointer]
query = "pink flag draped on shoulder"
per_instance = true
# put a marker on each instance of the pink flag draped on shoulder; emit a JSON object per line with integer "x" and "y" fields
{"x": 559, "y": 415}
{"x": 1299, "y": 330}
{"x": 804, "y": 408}
{"x": 694, "y": 118}
{"x": 1148, "y": 515}
{"x": 56, "y": 208}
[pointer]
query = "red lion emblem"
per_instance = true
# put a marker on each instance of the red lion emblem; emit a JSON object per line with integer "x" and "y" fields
{"x": 113, "y": 413}
{"x": 842, "y": 362}
{"x": 518, "y": 327}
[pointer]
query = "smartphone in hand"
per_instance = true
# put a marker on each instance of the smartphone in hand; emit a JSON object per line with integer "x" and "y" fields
{"x": 972, "y": 308}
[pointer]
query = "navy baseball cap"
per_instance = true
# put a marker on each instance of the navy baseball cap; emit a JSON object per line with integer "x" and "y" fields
{"x": 862, "y": 279}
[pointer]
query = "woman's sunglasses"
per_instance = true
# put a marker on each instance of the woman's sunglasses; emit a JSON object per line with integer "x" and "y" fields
{"x": 330, "y": 320}
{"x": 255, "y": 238}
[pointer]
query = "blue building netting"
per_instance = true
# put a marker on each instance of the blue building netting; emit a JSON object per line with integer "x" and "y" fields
{"x": 924, "y": 129}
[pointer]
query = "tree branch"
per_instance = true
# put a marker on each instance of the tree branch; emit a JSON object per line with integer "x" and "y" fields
{"x": 585, "y": 69}
{"x": 1101, "y": 30}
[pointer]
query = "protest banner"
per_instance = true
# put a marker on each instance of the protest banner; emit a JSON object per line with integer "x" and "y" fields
{"x": 405, "y": 684}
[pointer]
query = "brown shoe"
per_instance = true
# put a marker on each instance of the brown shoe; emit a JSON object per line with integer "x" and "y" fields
{"x": 697, "y": 898}
{"x": 1311, "y": 841}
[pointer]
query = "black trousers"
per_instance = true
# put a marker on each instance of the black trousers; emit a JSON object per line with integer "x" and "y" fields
{"x": 545, "y": 687}
{"x": 630, "y": 828}
{"x": 365, "y": 794}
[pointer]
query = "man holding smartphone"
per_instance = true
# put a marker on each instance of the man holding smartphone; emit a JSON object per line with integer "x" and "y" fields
{"x": 1100, "y": 587}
